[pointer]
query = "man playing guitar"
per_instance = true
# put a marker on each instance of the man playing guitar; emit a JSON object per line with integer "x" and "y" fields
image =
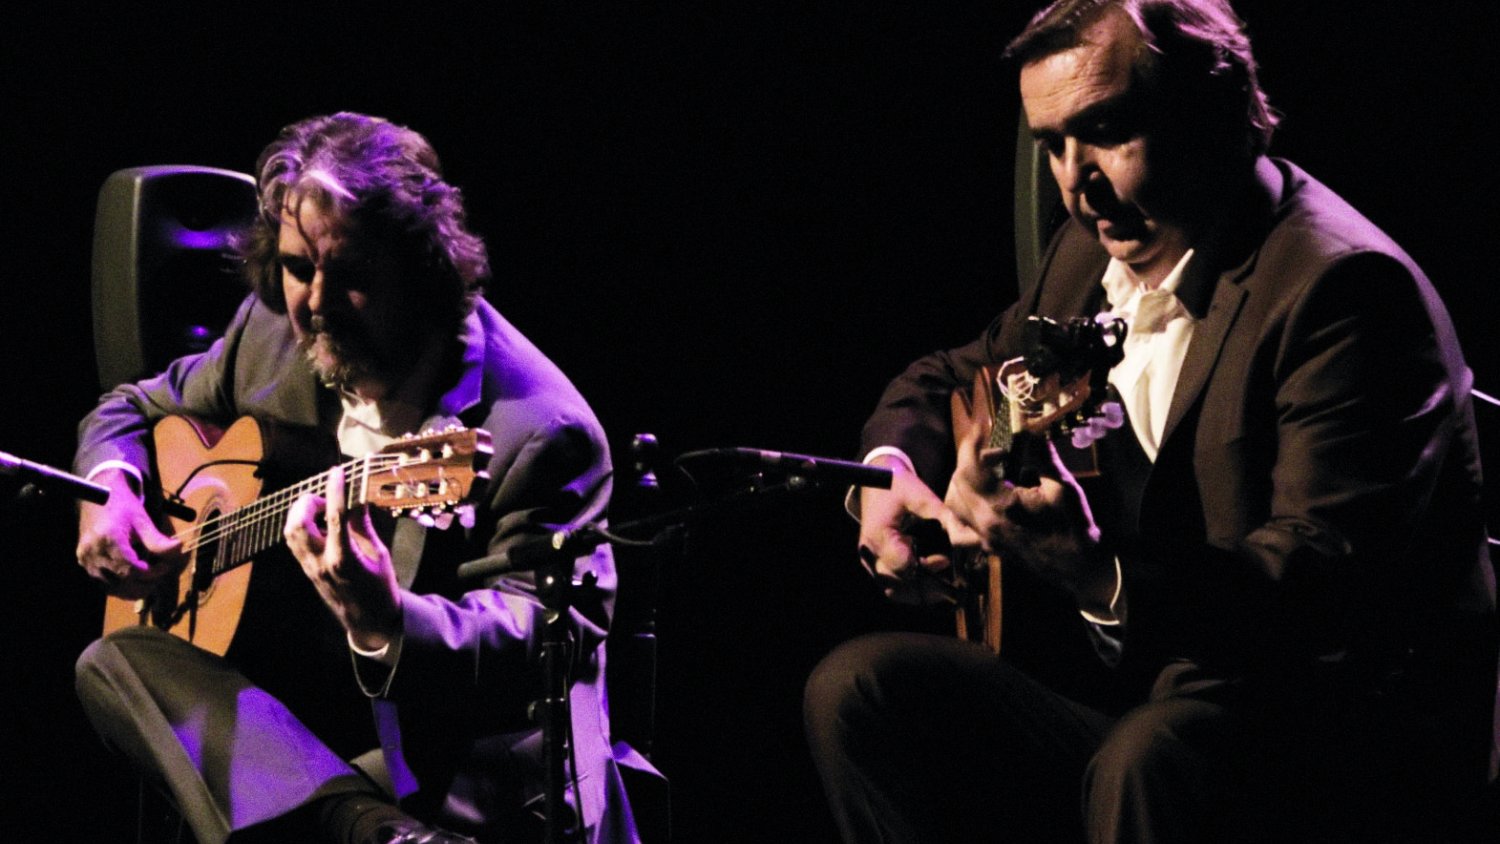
{"x": 365, "y": 324}
{"x": 1281, "y": 569}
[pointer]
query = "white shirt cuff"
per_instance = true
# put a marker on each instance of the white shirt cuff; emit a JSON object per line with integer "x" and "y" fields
{"x": 851, "y": 498}
{"x": 127, "y": 468}
{"x": 385, "y": 654}
{"x": 1114, "y": 602}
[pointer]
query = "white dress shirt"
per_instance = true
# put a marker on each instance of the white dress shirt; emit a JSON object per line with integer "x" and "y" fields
{"x": 1160, "y": 328}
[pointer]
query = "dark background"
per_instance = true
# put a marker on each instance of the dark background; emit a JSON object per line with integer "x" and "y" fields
{"x": 729, "y": 225}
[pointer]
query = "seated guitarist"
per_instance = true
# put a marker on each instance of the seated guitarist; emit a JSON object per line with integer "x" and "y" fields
{"x": 368, "y": 695}
{"x": 1281, "y": 567}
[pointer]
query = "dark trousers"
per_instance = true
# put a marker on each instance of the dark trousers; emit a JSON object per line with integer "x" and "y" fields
{"x": 231, "y": 755}
{"x": 927, "y": 738}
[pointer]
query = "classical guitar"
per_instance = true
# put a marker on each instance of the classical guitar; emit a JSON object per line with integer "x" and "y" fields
{"x": 218, "y": 476}
{"x": 1059, "y": 387}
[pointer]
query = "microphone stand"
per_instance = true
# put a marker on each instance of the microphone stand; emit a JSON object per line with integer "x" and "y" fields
{"x": 553, "y": 561}
{"x": 555, "y": 587}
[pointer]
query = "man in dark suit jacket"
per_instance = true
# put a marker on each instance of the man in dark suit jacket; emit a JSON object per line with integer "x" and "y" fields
{"x": 1283, "y": 561}
{"x": 366, "y": 324}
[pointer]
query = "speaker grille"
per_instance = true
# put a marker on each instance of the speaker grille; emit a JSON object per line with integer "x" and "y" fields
{"x": 164, "y": 282}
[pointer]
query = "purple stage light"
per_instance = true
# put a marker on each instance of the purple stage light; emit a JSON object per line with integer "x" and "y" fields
{"x": 190, "y": 239}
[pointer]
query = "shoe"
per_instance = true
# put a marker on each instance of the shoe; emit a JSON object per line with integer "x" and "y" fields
{"x": 415, "y": 832}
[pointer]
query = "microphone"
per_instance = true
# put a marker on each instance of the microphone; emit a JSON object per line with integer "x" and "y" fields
{"x": 533, "y": 553}
{"x": 816, "y": 469}
{"x": 46, "y": 477}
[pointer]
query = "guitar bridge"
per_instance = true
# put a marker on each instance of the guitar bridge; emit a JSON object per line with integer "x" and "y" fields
{"x": 188, "y": 607}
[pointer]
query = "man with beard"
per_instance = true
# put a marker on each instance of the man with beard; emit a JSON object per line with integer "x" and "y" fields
{"x": 1282, "y": 562}
{"x": 365, "y": 324}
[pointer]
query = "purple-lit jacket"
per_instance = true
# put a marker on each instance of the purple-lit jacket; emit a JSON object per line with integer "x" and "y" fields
{"x": 469, "y": 665}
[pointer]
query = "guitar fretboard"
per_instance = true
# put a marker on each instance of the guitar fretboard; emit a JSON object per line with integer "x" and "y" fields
{"x": 244, "y": 532}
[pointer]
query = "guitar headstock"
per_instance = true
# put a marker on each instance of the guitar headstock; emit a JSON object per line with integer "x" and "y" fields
{"x": 1062, "y": 380}
{"x": 1060, "y": 385}
{"x": 1072, "y": 349}
{"x": 427, "y": 476}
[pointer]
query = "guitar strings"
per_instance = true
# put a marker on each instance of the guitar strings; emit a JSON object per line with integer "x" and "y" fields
{"x": 259, "y": 508}
{"x": 268, "y": 510}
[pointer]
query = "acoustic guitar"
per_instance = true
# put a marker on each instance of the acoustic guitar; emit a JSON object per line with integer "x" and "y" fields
{"x": 218, "y": 476}
{"x": 1059, "y": 387}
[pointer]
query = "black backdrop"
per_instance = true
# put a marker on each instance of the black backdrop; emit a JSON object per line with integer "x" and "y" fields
{"x": 730, "y": 225}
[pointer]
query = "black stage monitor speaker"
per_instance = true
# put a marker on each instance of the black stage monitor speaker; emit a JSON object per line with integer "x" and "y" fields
{"x": 1039, "y": 208}
{"x": 164, "y": 281}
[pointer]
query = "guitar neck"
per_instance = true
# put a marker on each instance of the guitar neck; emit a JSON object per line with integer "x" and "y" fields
{"x": 237, "y": 536}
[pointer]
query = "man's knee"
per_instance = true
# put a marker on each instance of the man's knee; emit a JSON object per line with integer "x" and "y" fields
{"x": 840, "y": 684}
{"x": 98, "y": 668}
{"x": 1162, "y": 767}
{"x": 1132, "y": 753}
{"x": 92, "y": 674}
{"x": 135, "y": 668}
{"x": 876, "y": 683}
{"x": 1177, "y": 738}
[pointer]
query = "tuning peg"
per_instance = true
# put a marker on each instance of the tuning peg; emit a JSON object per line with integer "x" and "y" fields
{"x": 1113, "y": 414}
{"x": 465, "y": 513}
{"x": 442, "y": 521}
{"x": 423, "y": 519}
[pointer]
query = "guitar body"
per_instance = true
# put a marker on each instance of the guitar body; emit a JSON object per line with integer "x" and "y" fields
{"x": 976, "y": 575}
{"x": 214, "y": 473}
{"x": 1014, "y": 408}
{"x": 219, "y": 476}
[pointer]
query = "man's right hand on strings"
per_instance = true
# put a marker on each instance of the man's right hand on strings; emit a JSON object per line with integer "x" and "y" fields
{"x": 118, "y": 543}
{"x": 885, "y": 542}
{"x": 1047, "y": 526}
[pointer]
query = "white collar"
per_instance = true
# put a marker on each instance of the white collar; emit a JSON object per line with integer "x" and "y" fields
{"x": 1122, "y": 291}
